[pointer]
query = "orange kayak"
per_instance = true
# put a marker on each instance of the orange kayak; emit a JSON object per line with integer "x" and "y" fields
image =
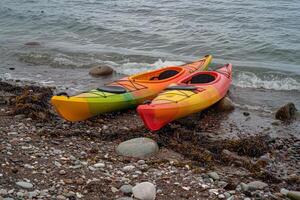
{"x": 124, "y": 93}
{"x": 192, "y": 94}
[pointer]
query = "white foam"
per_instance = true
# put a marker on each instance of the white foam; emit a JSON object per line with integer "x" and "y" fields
{"x": 134, "y": 68}
{"x": 251, "y": 80}
{"x": 5, "y": 76}
{"x": 252, "y": 107}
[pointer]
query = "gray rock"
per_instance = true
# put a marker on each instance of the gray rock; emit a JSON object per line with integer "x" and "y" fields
{"x": 227, "y": 195}
{"x": 244, "y": 187}
{"x": 20, "y": 194}
{"x": 222, "y": 184}
{"x": 284, "y": 191}
{"x": 128, "y": 168}
{"x": 8, "y": 198}
{"x": 126, "y": 189}
{"x": 144, "y": 191}
{"x": 125, "y": 198}
{"x": 62, "y": 172}
{"x": 20, "y": 116}
{"x": 225, "y": 104}
{"x": 57, "y": 164}
{"x": 257, "y": 185}
{"x": 102, "y": 70}
{"x": 214, "y": 175}
{"x": 24, "y": 184}
{"x": 294, "y": 195}
{"x": 138, "y": 148}
{"x": 99, "y": 165}
{"x": 32, "y": 194}
{"x": 3, "y": 192}
{"x": 60, "y": 197}
{"x": 141, "y": 162}
{"x": 114, "y": 190}
{"x": 12, "y": 133}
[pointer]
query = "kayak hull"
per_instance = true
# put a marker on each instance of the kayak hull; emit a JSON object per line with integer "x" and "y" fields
{"x": 139, "y": 88}
{"x": 174, "y": 104}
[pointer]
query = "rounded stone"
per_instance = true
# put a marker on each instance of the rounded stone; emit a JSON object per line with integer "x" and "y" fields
{"x": 225, "y": 104}
{"x": 102, "y": 70}
{"x": 125, "y": 198}
{"x": 126, "y": 189}
{"x": 284, "y": 191}
{"x": 286, "y": 112}
{"x": 128, "y": 168}
{"x": 99, "y": 165}
{"x": 138, "y": 148}
{"x": 214, "y": 175}
{"x": 257, "y": 185}
{"x": 24, "y": 184}
{"x": 144, "y": 191}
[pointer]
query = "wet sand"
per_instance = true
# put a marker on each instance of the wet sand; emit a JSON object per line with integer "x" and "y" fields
{"x": 57, "y": 156}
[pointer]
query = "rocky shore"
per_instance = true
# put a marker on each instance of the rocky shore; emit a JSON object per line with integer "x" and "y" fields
{"x": 239, "y": 154}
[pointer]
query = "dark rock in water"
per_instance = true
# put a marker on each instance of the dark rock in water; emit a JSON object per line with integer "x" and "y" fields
{"x": 103, "y": 70}
{"x": 138, "y": 148}
{"x": 246, "y": 114}
{"x": 32, "y": 44}
{"x": 11, "y": 68}
{"x": 286, "y": 112}
{"x": 225, "y": 104}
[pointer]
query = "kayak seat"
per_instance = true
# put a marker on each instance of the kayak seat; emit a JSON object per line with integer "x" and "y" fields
{"x": 202, "y": 78}
{"x": 112, "y": 89}
{"x": 182, "y": 87}
{"x": 165, "y": 74}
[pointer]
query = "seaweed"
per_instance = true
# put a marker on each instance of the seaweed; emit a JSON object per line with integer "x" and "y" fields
{"x": 32, "y": 101}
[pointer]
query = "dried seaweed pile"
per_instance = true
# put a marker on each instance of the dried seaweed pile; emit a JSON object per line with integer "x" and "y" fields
{"x": 32, "y": 101}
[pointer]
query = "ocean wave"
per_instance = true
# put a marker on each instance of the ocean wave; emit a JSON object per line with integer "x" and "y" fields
{"x": 5, "y": 76}
{"x": 134, "y": 67}
{"x": 267, "y": 81}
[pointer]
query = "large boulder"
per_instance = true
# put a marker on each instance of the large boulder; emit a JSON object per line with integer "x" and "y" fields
{"x": 286, "y": 112}
{"x": 225, "y": 104}
{"x": 103, "y": 70}
{"x": 138, "y": 148}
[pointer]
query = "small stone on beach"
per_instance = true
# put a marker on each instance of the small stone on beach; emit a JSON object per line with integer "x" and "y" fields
{"x": 126, "y": 189}
{"x": 214, "y": 175}
{"x": 24, "y": 184}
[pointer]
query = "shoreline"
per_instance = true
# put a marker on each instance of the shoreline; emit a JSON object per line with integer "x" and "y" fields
{"x": 241, "y": 147}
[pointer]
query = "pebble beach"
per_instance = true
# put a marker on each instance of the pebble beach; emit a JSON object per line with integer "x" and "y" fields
{"x": 215, "y": 154}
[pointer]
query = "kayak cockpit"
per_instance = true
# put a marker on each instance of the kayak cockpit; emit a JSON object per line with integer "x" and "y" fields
{"x": 160, "y": 75}
{"x": 201, "y": 78}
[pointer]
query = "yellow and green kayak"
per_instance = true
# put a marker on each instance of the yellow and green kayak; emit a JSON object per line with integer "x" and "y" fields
{"x": 124, "y": 93}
